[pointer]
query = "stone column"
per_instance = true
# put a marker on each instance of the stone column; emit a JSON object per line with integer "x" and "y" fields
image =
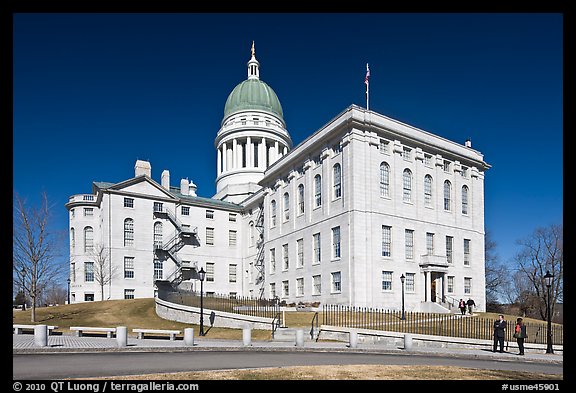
{"x": 262, "y": 153}
{"x": 224, "y": 157}
{"x": 249, "y": 153}
{"x": 234, "y": 154}
{"x": 285, "y": 151}
{"x": 240, "y": 155}
{"x": 219, "y": 163}
{"x": 41, "y": 335}
{"x": 276, "y": 151}
{"x": 428, "y": 286}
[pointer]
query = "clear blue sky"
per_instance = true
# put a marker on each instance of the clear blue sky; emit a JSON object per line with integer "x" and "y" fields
{"x": 95, "y": 92}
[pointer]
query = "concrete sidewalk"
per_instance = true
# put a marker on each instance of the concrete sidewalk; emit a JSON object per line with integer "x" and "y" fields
{"x": 24, "y": 344}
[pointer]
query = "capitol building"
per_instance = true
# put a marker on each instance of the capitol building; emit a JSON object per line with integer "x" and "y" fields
{"x": 362, "y": 211}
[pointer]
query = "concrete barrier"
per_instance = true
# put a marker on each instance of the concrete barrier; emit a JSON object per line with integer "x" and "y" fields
{"x": 353, "y": 338}
{"x": 41, "y": 335}
{"x": 408, "y": 342}
{"x": 189, "y": 337}
{"x": 122, "y": 336}
{"x": 247, "y": 337}
{"x": 300, "y": 338}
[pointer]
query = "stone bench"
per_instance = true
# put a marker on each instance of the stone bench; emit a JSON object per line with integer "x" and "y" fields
{"x": 81, "y": 329}
{"x": 19, "y": 328}
{"x": 141, "y": 332}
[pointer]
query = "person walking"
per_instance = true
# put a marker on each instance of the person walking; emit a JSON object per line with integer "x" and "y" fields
{"x": 470, "y": 303}
{"x": 520, "y": 334}
{"x": 499, "y": 333}
{"x": 462, "y": 306}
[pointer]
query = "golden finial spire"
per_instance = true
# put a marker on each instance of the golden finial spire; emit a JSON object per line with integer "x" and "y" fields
{"x": 253, "y": 51}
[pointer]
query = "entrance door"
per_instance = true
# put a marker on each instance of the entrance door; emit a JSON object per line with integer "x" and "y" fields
{"x": 433, "y": 289}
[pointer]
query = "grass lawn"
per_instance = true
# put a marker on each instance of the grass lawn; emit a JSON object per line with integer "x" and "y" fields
{"x": 133, "y": 313}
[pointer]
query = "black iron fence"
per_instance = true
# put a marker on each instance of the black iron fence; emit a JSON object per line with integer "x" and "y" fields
{"x": 452, "y": 325}
{"x": 232, "y": 304}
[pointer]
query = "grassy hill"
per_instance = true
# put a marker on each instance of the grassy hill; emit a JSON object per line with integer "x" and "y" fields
{"x": 133, "y": 313}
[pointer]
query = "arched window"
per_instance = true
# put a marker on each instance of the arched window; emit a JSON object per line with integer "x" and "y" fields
{"x": 273, "y": 213}
{"x": 317, "y": 191}
{"x": 88, "y": 239}
{"x": 286, "y": 206}
{"x": 337, "y": 175}
{"x": 157, "y": 234}
{"x": 464, "y": 199}
{"x": 447, "y": 195}
{"x": 407, "y": 185}
{"x": 72, "y": 238}
{"x": 428, "y": 190}
{"x": 128, "y": 232}
{"x": 384, "y": 180}
{"x": 301, "y": 199}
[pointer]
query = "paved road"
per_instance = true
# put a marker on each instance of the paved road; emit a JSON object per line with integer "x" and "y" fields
{"x": 85, "y": 365}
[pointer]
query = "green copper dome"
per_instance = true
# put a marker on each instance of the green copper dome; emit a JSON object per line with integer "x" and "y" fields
{"x": 253, "y": 94}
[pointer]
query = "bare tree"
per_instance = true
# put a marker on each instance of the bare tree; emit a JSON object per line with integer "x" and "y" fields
{"x": 35, "y": 248}
{"x": 55, "y": 294}
{"x": 496, "y": 273}
{"x": 104, "y": 272}
{"x": 543, "y": 251}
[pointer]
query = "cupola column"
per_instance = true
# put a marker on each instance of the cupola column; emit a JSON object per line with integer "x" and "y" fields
{"x": 249, "y": 153}
{"x": 262, "y": 154}
{"x": 219, "y": 163}
{"x": 224, "y": 157}
{"x": 234, "y": 154}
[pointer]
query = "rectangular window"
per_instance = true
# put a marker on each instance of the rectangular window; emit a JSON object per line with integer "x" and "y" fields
{"x": 129, "y": 202}
{"x": 317, "y": 191}
{"x": 89, "y": 271}
{"x": 232, "y": 238}
{"x": 336, "y": 282}
{"x": 410, "y": 282}
{"x": 73, "y": 272}
{"x": 128, "y": 294}
{"x": 158, "y": 269}
{"x": 446, "y": 166}
{"x": 232, "y": 273}
{"x": 300, "y": 252}
{"x": 429, "y": 243}
{"x": 300, "y": 287}
{"x": 232, "y": 217}
{"x": 128, "y": 267}
{"x": 300, "y": 199}
{"x": 285, "y": 259}
{"x": 285, "y": 288}
{"x": 407, "y": 153}
{"x": 336, "y": 243}
{"x": 210, "y": 214}
{"x": 450, "y": 284}
{"x": 464, "y": 172}
{"x": 409, "y": 243}
{"x": 210, "y": 271}
{"x": 316, "y": 285}
{"x": 286, "y": 207}
{"x": 158, "y": 207}
{"x": 467, "y": 252}
{"x": 384, "y": 146}
{"x": 467, "y": 285}
{"x": 210, "y": 236}
{"x": 88, "y": 297}
{"x": 386, "y": 281}
{"x": 272, "y": 260}
{"x": 316, "y": 247}
{"x": 428, "y": 160}
{"x": 272, "y": 290}
{"x": 72, "y": 213}
{"x": 449, "y": 243}
{"x": 185, "y": 210}
{"x": 386, "y": 241}
{"x": 88, "y": 212}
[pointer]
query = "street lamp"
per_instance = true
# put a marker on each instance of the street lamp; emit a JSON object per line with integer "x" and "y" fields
{"x": 201, "y": 276}
{"x": 402, "y": 278}
{"x": 68, "y": 294}
{"x": 548, "y": 279}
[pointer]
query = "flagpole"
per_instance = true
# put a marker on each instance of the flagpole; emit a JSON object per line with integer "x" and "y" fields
{"x": 367, "y": 82}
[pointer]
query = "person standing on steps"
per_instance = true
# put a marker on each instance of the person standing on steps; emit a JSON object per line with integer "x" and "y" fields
{"x": 462, "y": 306}
{"x": 470, "y": 303}
{"x": 499, "y": 333}
{"x": 520, "y": 335}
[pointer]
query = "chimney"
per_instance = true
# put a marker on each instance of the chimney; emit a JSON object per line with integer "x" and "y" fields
{"x": 142, "y": 168}
{"x": 165, "y": 180}
{"x": 192, "y": 190}
{"x": 184, "y": 187}
{"x": 468, "y": 142}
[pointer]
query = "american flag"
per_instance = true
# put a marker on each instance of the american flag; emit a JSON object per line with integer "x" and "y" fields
{"x": 367, "y": 74}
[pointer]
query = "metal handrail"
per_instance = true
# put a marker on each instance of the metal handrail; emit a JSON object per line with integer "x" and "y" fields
{"x": 314, "y": 318}
{"x": 276, "y": 323}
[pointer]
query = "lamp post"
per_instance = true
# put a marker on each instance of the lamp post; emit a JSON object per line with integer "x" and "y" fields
{"x": 201, "y": 276}
{"x": 402, "y": 278}
{"x": 68, "y": 293}
{"x": 548, "y": 280}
